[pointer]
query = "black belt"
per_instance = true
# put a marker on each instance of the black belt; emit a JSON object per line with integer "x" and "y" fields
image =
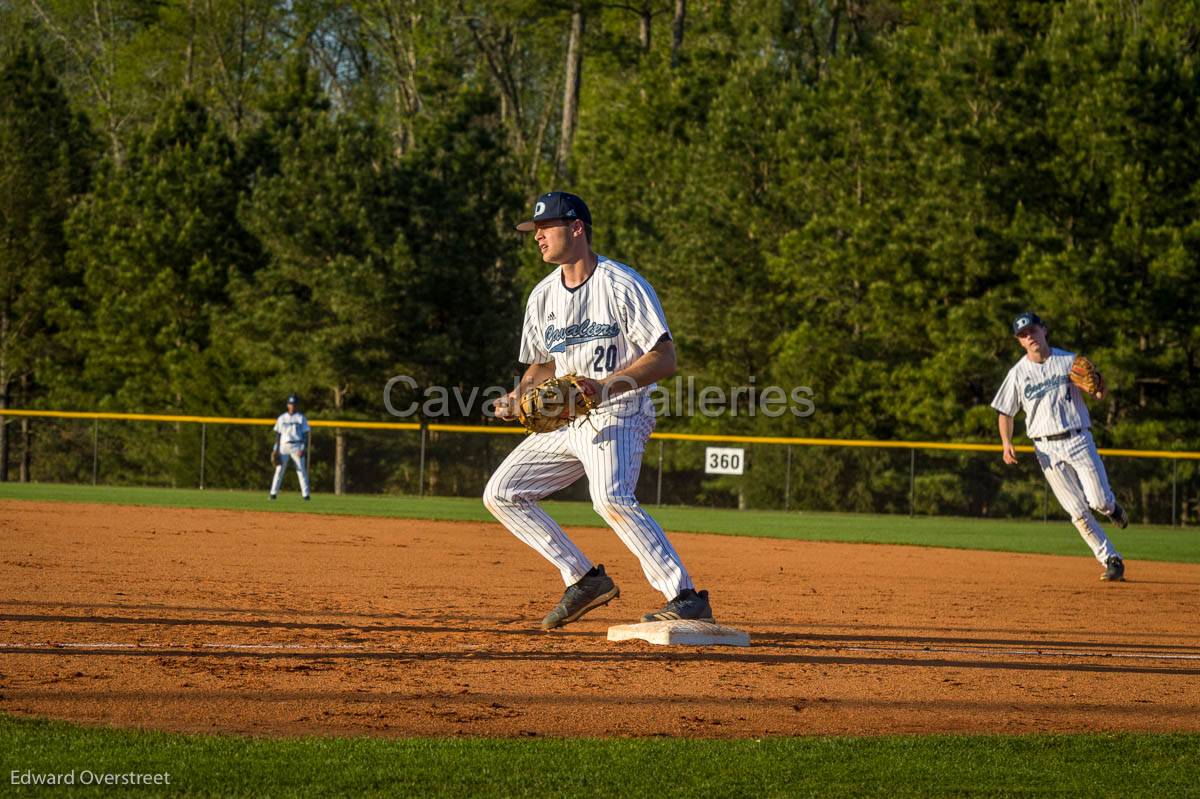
{"x": 1062, "y": 435}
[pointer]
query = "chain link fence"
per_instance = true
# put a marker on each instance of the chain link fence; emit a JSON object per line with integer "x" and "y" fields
{"x": 1155, "y": 488}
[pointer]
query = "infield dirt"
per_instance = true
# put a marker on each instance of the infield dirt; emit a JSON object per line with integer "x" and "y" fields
{"x": 290, "y": 624}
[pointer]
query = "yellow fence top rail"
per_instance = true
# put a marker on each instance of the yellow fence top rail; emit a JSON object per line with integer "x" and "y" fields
{"x": 511, "y": 430}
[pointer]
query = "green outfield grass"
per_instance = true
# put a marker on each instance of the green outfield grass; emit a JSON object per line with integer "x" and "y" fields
{"x": 941, "y": 765}
{"x": 1057, "y": 537}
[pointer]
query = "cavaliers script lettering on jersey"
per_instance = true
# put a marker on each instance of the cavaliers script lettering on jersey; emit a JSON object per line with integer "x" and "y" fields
{"x": 1052, "y": 404}
{"x": 596, "y": 329}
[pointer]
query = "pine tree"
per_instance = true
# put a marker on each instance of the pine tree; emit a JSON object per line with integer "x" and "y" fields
{"x": 44, "y": 167}
{"x": 157, "y": 244}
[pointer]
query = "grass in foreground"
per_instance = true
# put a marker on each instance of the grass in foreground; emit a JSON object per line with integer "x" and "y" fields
{"x": 1076, "y": 765}
{"x": 1058, "y": 537}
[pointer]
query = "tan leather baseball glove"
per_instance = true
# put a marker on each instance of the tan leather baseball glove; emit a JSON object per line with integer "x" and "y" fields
{"x": 554, "y": 403}
{"x": 1085, "y": 376}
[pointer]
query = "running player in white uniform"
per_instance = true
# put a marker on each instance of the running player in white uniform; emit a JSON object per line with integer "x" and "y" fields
{"x": 291, "y": 444}
{"x": 601, "y": 320}
{"x": 1057, "y": 420}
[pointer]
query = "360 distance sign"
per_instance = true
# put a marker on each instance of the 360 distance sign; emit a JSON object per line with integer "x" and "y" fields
{"x": 724, "y": 460}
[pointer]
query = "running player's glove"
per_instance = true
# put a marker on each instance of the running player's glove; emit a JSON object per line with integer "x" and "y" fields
{"x": 1085, "y": 376}
{"x": 554, "y": 403}
{"x": 274, "y": 457}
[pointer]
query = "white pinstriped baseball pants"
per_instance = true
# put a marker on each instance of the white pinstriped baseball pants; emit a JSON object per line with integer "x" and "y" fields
{"x": 289, "y": 455}
{"x": 611, "y": 460}
{"x": 1077, "y": 476}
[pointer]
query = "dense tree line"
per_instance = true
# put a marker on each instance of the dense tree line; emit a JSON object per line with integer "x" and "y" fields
{"x": 205, "y": 204}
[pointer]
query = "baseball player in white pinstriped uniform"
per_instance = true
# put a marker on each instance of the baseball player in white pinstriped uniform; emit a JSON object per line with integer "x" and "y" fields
{"x": 599, "y": 319}
{"x": 1057, "y": 421}
{"x": 291, "y": 446}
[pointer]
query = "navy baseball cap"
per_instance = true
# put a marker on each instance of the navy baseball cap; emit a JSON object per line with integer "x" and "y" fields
{"x": 1024, "y": 320}
{"x": 293, "y": 399}
{"x": 557, "y": 205}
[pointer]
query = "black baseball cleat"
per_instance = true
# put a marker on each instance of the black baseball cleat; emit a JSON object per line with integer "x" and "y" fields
{"x": 690, "y": 604}
{"x": 270, "y": 496}
{"x": 1119, "y": 516}
{"x": 593, "y": 590}
{"x": 306, "y": 499}
{"x": 1115, "y": 571}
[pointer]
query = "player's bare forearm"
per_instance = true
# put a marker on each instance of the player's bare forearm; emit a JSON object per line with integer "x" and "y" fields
{"x": 1006, "y": 434}
{"x": 506, "y": 407}
{"x": 657, "y": 364}
{"x": 1005, "y": 423}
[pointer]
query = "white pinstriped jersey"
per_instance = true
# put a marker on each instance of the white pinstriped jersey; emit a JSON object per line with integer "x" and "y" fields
{"x": 1044, "y": 390}
{"x": 595, "y": 329}
{"x": 292, "y": 428}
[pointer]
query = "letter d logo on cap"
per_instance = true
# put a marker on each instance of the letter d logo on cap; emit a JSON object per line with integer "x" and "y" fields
{"x": 539, "y": 209}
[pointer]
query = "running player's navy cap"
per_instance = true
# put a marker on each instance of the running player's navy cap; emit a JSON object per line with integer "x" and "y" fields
{"x": 1024, "y": 320}
{"x": 293, "y": 399}
{"x": 557, "y": 205}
